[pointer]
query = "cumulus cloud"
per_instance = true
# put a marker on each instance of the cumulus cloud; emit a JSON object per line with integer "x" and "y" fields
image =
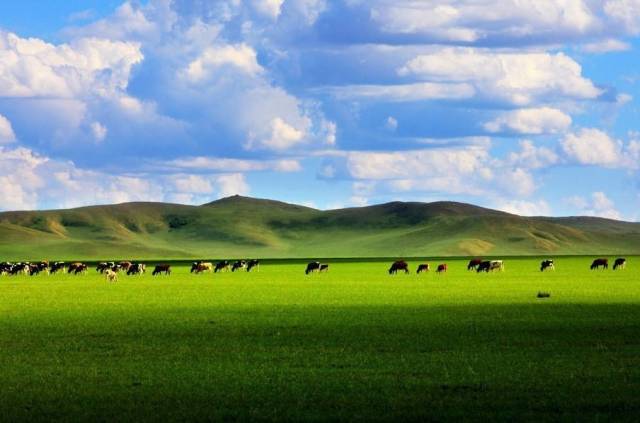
{"x": 524, "y": 208}
{"x": 516, "y": 78}
{"x": 241, "y": 57}
{"x": 270, "y": 8}
{"x": 542, "y": 120}
{"x": 531, "y": 156}
{"x": 6, "y": 131}
{"x": 598, "y": 205}
{"x": 592, "y": 147}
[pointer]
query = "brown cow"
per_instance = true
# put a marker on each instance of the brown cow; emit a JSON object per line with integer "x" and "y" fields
{"x": 600, "y": 262}
{"x": 398, "y": 265}
{"x": 442, "y": 268}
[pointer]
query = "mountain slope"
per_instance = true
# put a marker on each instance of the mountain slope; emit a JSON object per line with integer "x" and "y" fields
{"x": 242, "y": 227}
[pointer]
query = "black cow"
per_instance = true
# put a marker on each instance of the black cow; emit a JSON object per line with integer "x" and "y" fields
{"x": 253, "y": 263}
{"x": 136, "y": 269}
{"x": 474, "y": 263}
{"x": 547, "y": 264}
{"x": 238, "y": 264}
{"x": 221, "y": 266}
{"x": 484, "y": 266}
{"x": 161, "y": 268}
{"x": 58, "y": 266}
{"x": 323, "y": 268}
{"x": 398, "y": 265}
{"x": 620, "y": 263}
{"x": 314, "y": 266}
{"x": 423, "y": 268}
{"x": 600, "y": 262}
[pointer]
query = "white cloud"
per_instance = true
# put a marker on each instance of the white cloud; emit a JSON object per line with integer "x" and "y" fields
{"x": 391, "y": 123}
{"x": 517, "y": 78}
{"x": 6, "y": 131}
{"x": 625, "y": 13}
{"x": 606, "y": 46}
{"x": 241, "y": 57}
{"x": 475, "y": 20}
{"x": 32, "y": 68}
{"x": 270, "y": 8}
{"x": 232, "y": 184}
{"x": 99, "y": 131}
{"x": 598, "y": 205}
{"x": 282, "y": 137}
{"x": 407, "y": 92}
{"x": 592, "y": 147}
{"x": 525, "y": 208}
{"x": 543, "y": 120}
{"x": 532, "y": 157}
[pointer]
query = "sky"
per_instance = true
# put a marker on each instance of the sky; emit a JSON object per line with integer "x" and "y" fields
{"x": 526, "y": 106}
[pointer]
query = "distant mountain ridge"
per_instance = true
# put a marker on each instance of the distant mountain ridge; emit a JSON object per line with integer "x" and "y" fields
{"x": 249, "y": 227}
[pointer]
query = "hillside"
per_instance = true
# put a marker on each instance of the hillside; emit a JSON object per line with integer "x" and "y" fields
{"x": 247, "y": 227}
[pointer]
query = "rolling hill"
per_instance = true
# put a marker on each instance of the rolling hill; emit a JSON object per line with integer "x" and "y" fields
{"x": 247, "y": 227}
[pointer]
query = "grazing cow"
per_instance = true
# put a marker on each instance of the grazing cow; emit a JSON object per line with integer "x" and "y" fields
{"x": 201, "y": 267}
{"x": 136, "y": 269}
{"x": 474, "y": 263}
{"x": 20, "y": 268}
{"x": 497, "y": 265}
{"x": 423, "y": 268}
{"x": 111, "y": 275}
{"x": 323, "y": 267}
{"x": 221, "y": 266}
{"x": 253, "y": 263}
{"x": 490, "y": 266}
{"x": 620, "y": 263}
{"x": 314, "y": 266}
{"x": 161, "y": 268}
{"x": 238, "y": 264}
{"x": 600, "y": 262}
{"x": 543, "y": 294}
{"x": 77, "y": 267}
{"x": 103, "y": 266}
{"x": 442, "y": 268}
{"x": 125, "y": 265}
{"x": 58, "y": 266}
{"x": 398, "y": 265}
{"x": 547, "y": 264}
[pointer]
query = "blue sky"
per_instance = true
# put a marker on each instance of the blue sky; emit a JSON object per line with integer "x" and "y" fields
{"x": 525, "y": 106}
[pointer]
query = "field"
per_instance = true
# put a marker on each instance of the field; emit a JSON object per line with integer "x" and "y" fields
{"x": 352, "y": 344}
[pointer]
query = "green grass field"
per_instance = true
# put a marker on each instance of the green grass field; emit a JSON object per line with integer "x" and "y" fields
{"x": 353, "y": 344}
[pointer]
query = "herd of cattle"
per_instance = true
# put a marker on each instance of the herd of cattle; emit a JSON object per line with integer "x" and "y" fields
{"x": 112, "y": 269}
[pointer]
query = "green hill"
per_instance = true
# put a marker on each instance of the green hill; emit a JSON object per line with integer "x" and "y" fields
{"x": 247, "y": 227}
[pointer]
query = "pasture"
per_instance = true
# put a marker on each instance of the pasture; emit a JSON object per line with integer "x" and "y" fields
{"x": 354, "y": 343}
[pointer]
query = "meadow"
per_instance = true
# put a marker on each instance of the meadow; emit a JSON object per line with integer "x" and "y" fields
{"x": 352, "y": 344}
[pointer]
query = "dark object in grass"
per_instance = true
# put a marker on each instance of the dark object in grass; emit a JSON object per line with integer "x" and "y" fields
{"x": 544, "y": 294}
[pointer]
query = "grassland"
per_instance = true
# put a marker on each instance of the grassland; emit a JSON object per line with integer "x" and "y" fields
{"x": 243, "y": 227}
{"x": 353, "y": 344}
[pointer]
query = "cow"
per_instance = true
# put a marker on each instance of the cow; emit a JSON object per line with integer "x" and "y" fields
{"x": 253, "y": 263}
{"x": 125, "y": 265}
{"x": 497, "y": 265}
{"x": 423, "y": 268}
{"x": 20, "y": 268}
{"x": 201, "y": 267}
{"x": 238, "y": 264}
{"x": 110, "y": 275}
{"x": 398, "y": 265}
{"x": 547, "y": 264}
{"x": 474, "y": 263}
{"x": 314, "y": 266}
{"x": 103, "y": 266}
{"x": 490, "y": 266}
{"x": 58, "y": 266}
{"x": 620, "y": 263}
{"x": 161, "y": 268}
{"x": 221, "y": 266}
{"x": 442, "y": 268}
{"x": 136, "y": 269}
{"x": 600, "y": 262}
{"x": 323, "y": 267}
{"x": 78, "y": 268}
